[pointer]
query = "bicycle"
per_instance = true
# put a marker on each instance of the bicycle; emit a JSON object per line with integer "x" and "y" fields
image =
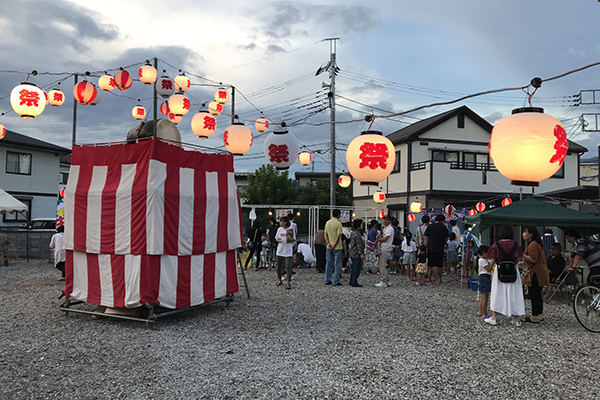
{"x": 586, "y": 304}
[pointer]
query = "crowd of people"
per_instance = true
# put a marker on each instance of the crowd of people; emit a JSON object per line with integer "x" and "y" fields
{"x": 503, "y": 268}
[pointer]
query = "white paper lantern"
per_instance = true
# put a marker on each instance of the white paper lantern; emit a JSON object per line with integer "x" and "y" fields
{"x": 215, "y": 108}
{"x": 304, "y": 158}
{"x": 281, "y": 148}
{"x": 27, "y": 100}
{"x": 2, "y": 131}
{"x": 261, "y": 125}
{"x": 221, "y": 96}
{"x": 56, "y": 97}
{"x": 370, "y": 158}
{"x": 182, "y": 83}
{"x": 344, "y": 180}
{"x": 379, "y": 197}
{"x": 174, "y": 118}
{"x": 204, "y": 124}
{"x": 147, "y": 74}
{"x": 106, "y": 83}
{"x": 238, "y": 139}
{"x": 138, "y": 112}
{"x": 179, "y": 104}
{"x": 164, "y": 86}
{"x": 416, "y": 207}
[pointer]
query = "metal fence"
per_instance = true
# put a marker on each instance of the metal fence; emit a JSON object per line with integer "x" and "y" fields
{"x": 24, "y": 244}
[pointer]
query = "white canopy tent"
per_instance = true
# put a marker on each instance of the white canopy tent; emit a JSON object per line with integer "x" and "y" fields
{"x": 9, "y": 204}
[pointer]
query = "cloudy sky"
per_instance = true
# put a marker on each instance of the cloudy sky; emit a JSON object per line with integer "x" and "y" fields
{"x": 393, "y": 56}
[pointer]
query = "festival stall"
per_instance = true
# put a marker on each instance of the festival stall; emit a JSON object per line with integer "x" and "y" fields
{"x": 150, "y": 223}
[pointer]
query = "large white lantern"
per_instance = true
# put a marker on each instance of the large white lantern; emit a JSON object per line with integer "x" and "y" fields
{"x": 27, "y": 100}
{"x": 215, "y": 108}
{"x": 147, "y": 74}
{"x": 221, "y": 96}
{"x": 138, "y": 112}
{"x": 261, "y": 125}
{"x": 238, "y": 139}
{"x": 182, "y": 83}
{"x": 174, "y": 118}
{"x": 164, "y": 86}
{"x": 281, "y": 148}
{"x": 84, "y": 92}
{"x": 528, "y": 146}
{"x": 2, "y": 131}
{"x": 56, "y": 97}
{"x": 304, "y": 158}
{"x": 344, "y": 180}
{"x": 204, "y": 124}
{"x": 379, "y": 197}
{"x": 106, "y": 83}
{"x": 370, "y": 158}
{"x": 179, "y": 104}
{"x": 416, "y": 207}
{"x": 123, "y": 80}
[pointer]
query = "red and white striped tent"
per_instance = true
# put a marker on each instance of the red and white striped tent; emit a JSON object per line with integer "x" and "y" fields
{"x": 150, "y": 222}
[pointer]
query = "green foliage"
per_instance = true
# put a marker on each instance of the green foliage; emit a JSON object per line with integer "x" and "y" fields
{"x": 269, "y": 186}
{"x": 317, "y": 193}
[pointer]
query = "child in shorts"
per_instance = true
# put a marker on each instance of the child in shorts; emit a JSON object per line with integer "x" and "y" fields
{"x": 484, "y": 284}
{"x": 421, "y": 268}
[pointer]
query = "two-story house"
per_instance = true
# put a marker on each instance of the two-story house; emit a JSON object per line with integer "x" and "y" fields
{"x": 30, "y": 173}
{"x": 444, "y": 160}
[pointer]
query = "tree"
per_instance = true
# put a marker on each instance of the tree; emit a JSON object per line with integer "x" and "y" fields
{"x": 318, "y": 193}
{"x": 269, "y": 186}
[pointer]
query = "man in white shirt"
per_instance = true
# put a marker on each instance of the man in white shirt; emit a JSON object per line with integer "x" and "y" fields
{"x": 386, "y": 251}
{"x": 304, "y": 256}
{"x": 57, "y": 243}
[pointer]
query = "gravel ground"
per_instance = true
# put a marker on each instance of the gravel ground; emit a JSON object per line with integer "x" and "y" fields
{"x": 311, "y": 342}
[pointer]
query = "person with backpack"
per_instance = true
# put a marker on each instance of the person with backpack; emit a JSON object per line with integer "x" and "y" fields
{"x": 506, "y": 296}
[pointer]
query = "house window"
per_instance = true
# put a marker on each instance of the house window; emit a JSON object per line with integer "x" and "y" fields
{"x": 397, "y": 163}
{"x": 64, "y": 177}
{"x": 475, "y": 161}
{"x": 19, "y": 217}
{"x": 446, "y": 156}
{"x": 18, "y": 163}
{"x": 560, "y": 174}
{"x": 460, "y": 121}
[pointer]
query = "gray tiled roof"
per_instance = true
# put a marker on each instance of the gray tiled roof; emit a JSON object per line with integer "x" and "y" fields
{"x": 17, "y": 139}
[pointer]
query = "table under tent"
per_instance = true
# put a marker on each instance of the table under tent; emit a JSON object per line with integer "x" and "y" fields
{"x": 150, "y": 226}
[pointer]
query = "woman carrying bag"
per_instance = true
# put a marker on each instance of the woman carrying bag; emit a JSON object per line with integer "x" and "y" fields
{"x": 537, "y": 274}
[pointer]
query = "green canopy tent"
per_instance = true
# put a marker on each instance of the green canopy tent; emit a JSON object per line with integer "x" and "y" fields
{"x": 537, "y": 213}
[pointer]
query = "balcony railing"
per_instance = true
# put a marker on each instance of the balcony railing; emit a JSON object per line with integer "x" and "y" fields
{"x": 456, "y": 165}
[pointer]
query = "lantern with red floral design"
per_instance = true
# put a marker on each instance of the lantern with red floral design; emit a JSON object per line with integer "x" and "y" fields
{"x": 2, "y": 131}
{"x": 449, "y": 209}
{"x": 472, "y": 212}
{"x": 215, "y": 108}
{"x": 416, "y": 207}
{"x": 174, "y": 118}
{"x": 164, "y": 86}
{"x": 106, "y": 83}
{"x": 56, "y": 97}
{"x": 506, "y": 202}
{"x": 182, "y": 83}
{"x": 370, "y": 158}
{"x": 221, "y": 96}
{"x": 147, "y": 74}
{"x": 238, "y": 139}
{"x": 27, "y": 100}
{"x": 480, "y": 207}
{"x": 261, "y": 125}
{"x": 281, "y": 148}
{"x": 410, "y": 217}
{"x": 304, "y": 158}
{"x": 528, "y": 146}
{"x": 123, "y": 80}
{"x": 138, "y": 112}
{"x": 84, "y": 92}
{"x": 179, "y": 104}
{"x": 344, "y": 180}
{"x": 379, "y": 197}
{"x": 204, "y": 124}
{"x": 164, "y": 108}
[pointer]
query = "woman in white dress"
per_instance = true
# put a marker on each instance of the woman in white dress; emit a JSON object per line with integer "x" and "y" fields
{"x": 506, "y": 298}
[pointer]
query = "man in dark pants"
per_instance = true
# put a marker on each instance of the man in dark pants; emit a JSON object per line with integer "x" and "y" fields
{"x": 321, "y": 250}
{"x": 436, "y": 236}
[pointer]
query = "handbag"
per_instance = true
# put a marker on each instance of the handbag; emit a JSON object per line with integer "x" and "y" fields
{"x": 370, "y": 245}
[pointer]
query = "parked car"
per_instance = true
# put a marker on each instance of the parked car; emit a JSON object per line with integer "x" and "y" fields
{"x": 41, "y": 223}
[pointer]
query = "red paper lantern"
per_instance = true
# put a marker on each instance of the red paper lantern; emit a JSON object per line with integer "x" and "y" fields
{"x": 304, "y": 158}
{"x": 106, "y": 83}
{"x": 138, "y": 112}
{"x": 27, "y": 100}
{"x": 204, "y": 124}
{"x": 472, "y": 212}
{"x": 164, "y": 86}
{"x": 238, "y": 139}
{"x": 62, "y": 193}
{"x": 410, "y": 217}
{"x": 281, "y": 148}
{"x": 147, "y": 74}
{"x": 215, "y": 108}
{"x": 164, "y": 108}
{"x": 449, "y": 209}
{"x": 344, "y": 180}
{"x": 221, "y": 96}
{"x": 381, "y": 214}
{"x": 2, "y": 131}
{"x": 123, "y": 80}
{"x": 480, "y": 206}
{"x": 370, "y": 158}
{"x": 182, "y": 83}
{"x": 379, "y": 197}
{"x": 56, "y": 97}
{"x": 506, "y": 202}
{"x": 96, "y": 99}
{"x": 84, "y": 92}
{"x": 528, "y": 146}
{"x": 261, "y": 125}
{"x": 179, "y": 104}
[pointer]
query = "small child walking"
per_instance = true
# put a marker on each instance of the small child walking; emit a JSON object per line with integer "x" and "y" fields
{"x": 484, "y": 284}
{"x": 421, "y": 268}
{"x": 452, "y": 253}
{"x": 409, "y": 259}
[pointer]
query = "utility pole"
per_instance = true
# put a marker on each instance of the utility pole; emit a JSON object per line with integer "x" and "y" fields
{"x": 332, "y": 68}
{"x": 74, "y": 132}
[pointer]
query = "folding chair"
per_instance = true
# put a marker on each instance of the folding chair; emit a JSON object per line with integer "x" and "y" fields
{"x": 562, "y": 281}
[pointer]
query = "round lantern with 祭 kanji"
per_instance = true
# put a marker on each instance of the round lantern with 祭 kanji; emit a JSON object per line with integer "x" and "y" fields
{"x": 378, "y": 197}
{"x": 204, "y": 124}
{"x": 106, "y": 83}
{"x": 147, "y": 74}
{"x": 238, "y": 139}
{"x": 344, "y": 180}
{"x": 56, "y": 97}
{"x": 2, "y": 131}
{"x": 164, "y": 86}
{"x": 215, "y": 108}
{"x": 138, "y": 112}
{"x": 261, "y": 125}
{"x": 182, "y": 83}
{"x": 281, "y": 148}
{"x": 370, "y": 158}
{"x": 221, "y": 96}
{"x": 179, "y": 104}
{"x": 27, "y": 100}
